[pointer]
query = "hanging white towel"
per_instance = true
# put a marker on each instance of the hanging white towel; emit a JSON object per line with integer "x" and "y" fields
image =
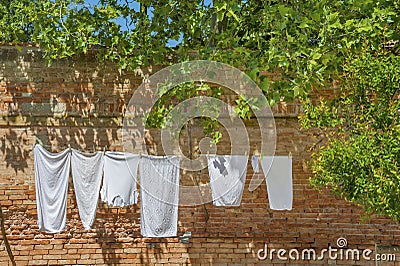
{"x": 87, "y": 171}
{"x": 227, "y": 178}
{"x": 120, "y": 177}
{"x": 159, "y": 191}
{"x": 254, "y": 163}
{"x": 278, "y": 174}
{"x": 51, "y": 176}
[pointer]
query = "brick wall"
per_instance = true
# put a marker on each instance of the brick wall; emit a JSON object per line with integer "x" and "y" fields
{"x": 34, "y": 103}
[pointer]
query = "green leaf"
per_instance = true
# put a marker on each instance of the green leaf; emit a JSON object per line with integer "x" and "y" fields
{"x": 316, "y": 55}
{"x": 289, "y": 38}
{"x": 303, "y": 25}
{"x": 254, "y": 73}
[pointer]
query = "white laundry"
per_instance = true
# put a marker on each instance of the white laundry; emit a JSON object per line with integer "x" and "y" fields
{"x": 51, "y": 177}
{"x": 254, "y": 163}
{"x": 227, "y": 178}
{"x": 278, "y": 174}
{"x": 159, "y": 191}
{"x": 87, "y": 171}
{"x": 120, "y": 177}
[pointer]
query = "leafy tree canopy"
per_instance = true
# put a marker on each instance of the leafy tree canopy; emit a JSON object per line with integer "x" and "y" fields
{"x": 304, "y": 42}
{"x": 360, "y": 159}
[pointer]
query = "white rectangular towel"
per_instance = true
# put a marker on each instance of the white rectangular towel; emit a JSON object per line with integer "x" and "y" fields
{"x": 278, "y": 174}
{"x": 51, "y": 177}
{"x": 159, "y": 191}
{"x": 227, "y": 178}
{"x": 120, "y": 178}
{"x": 87, "y": 171}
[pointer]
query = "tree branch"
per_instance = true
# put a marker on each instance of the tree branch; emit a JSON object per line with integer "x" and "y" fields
{"x": 3, "y": 232}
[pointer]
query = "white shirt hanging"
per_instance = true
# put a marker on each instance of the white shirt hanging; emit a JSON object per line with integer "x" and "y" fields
{"x": 120, "y": 177}
{"x": 227, "y": 178}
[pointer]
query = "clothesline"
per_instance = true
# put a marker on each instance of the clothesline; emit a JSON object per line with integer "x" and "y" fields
{"x": 159, "y": 179}
{"x": 105, "y": 149}
{"x": 52, "y": 172}
{"x": 138, "y": 153}
{"x": 175, "y": 155}
{"x": 143, "y": 154}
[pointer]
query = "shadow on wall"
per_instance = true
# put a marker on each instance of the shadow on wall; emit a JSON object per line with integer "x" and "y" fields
{"x": 158, "y": 251}
{"x": 112, "y": 228}
{"x": 77, "y": 102}
{"x": 14, "y": 145}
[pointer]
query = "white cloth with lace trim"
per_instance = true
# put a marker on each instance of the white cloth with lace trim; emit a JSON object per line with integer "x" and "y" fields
{"x": 159, "y": 192}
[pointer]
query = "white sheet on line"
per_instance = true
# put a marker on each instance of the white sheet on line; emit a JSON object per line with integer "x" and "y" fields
{"x": 227, "y": 178}
{"x": 87, "y": 171}
{"x": 279, "y": 181}
{"x": 51, "y": 177}
{"x": 159, "y": 191}
{"x": 120, "y": 178}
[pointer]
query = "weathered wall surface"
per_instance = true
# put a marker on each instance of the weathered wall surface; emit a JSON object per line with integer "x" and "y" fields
{"x": 81, "y": 103}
